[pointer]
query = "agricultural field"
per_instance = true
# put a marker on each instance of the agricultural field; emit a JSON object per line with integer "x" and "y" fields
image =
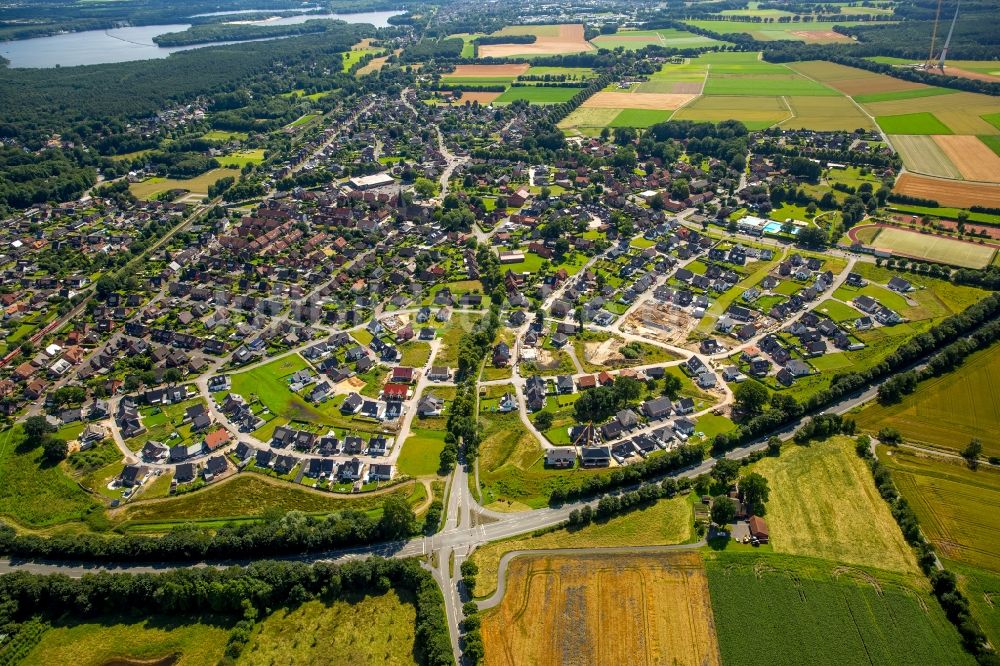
{"x": 537, "y": 95}
{"x": 852, "y": 81}
{"x": 552, "y": 40}
{"x": 687, "y": 78}
{"x": 198, "y": 185}
{"x": 982, "y": 589}
{"x": 667, "y": 522}
{"x": 127, "y": 640}
{"x": 783, "y": 610}
{"x": 354, "y": 56}
{"x": 955, "y": 505}
{"x": 558, "y": 610}
{"x": 824, "y": 504}
{"x": 825, "y": 114}
{"x": 960, "y": 113}
{"x": 922, "y": 154}
{"x": 583, "y": 120}
{"x": 240, "y": 159}
{"x": 632, "y": 40}
{"x": 974, "y": 159}
{"x": 248, "y": 495}
{"x": 959, "y": 194}
{"x": 637, "y": 100}
{"x": 942, "y": 249}
{"x": 754, "y": 112}
{"x": 912, "y": 123}
{"x": 812, "y": 32}
{"x": 639, "y": 118}
{"x": 371, "y": 629}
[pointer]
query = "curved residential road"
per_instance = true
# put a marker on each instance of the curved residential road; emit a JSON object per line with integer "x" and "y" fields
{"x": 507, "y": 558}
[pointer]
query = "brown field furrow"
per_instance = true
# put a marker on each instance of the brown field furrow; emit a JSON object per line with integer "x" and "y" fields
{"x": 512, "y": 69}
{"x": 624, "y": 100}
{"x": 596, "y": 609}
{"x": 972, "y": 157}
{"x": 949, "y": 192}
{"x": 481, "y": 97}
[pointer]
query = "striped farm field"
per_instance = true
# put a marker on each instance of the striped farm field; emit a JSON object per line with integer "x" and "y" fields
{"x": 852, "y": 81}
{"x": 961, "y": 113}
{"x": 584, "y": 117}
{"x": 973, "y": 158}
{"x": 960, "y": 194}
{"x": 948, "y": 411}
{"x": 922, "y": 154}
{"x": 636, "y": 100}
{"x": 956, "y": 506}
{"x": 754, "y": 112}
{"x": 826, "y": 114}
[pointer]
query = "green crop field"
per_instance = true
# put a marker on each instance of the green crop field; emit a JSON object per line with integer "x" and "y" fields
{"x": 992, "y": 142}
{"x": 912, "y": 123}
{"x": 921, "y": 154}
{"x": 778, "y": 610}
{"x": 982, "y": 589}
{"x": 956, "y": 506}
{"x": 126, "y": 640}
{"x": 242, "y": 158}
{"x": 572, "y": 73}
{"x": 632, "y": 40}
{"x": 754, "y": 112}
{"x": 916, "y": 93}
{"x": 949, "y": 410}
{"x": 813, "y": 32}
{"x": 375, "y": 629}
{"x": 448, "y": 81}
{"x": 537, "y": 95}
{"x": 639, "y": 118}
{"x": 992, "y": 119}
{"x": 747, "y": 84}
{"x": 824, "y": 504}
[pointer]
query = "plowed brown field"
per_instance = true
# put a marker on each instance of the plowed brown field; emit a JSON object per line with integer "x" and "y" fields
{"x": 949, "y": 192}
{"x": 569, "y": 39}
{"x": 972, "y": 157}
{"x": 621, "y": 609}
{"x": 637, "y": 100}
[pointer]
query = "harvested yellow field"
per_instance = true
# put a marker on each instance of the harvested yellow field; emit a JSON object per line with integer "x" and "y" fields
{"x": 637, "y": 100}
{"x": 956, "y": 193}
{"x": 824, "y": 504}
{"x": 599, "y": 609}
{"x": 488, "y": 71}
{"x": 850, "y": 80}
{"x": 755, "y": 112}
{"x": 481, "y": 97}
{"x": 826, "y": 114}
{"x": 552, "y": 40}
{"x": 973, "y": 158}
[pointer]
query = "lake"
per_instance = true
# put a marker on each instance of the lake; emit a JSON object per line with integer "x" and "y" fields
{"x": 94, "y": 47}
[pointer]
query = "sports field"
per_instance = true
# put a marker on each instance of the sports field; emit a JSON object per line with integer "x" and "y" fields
{"x": 623, "y": 609}
{"x": 946, "y": 250}
{"x": 956, "y": 506}
{"x": 824, "y": 504}
{"x": 949, "y": 410}
{"x": 787, "y": 611}
{"x": 922, "y": 154}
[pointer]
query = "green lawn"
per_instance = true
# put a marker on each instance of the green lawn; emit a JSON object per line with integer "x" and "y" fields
{"x": 773, "y": 609}
{"x": 837, "y": 311}
{"x": 421, "y": 452}
{"x": 242, "y": 158}
{"x": 912, "y": 123}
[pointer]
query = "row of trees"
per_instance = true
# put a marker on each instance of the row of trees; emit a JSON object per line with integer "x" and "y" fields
{"x": 238, "y": 592}
{"x": 943, "y": 582}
